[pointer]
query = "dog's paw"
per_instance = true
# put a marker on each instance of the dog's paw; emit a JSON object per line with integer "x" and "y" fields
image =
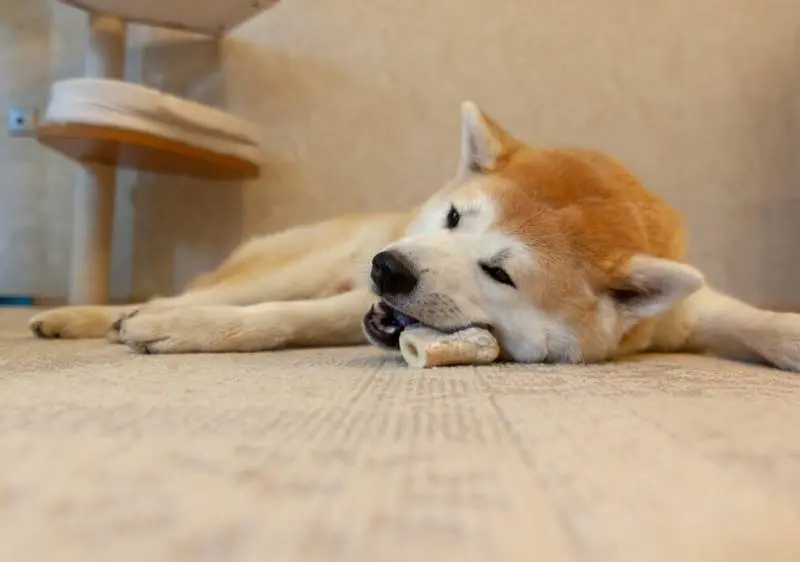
{"x": 72, "y": 322}
{"x": 777, "y": 340}
{"x": 182, "y": 330}
{"x": 113, "y": 332}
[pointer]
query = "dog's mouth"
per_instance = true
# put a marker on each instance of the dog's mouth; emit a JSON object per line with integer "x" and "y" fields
{"x": 384, "y": 324}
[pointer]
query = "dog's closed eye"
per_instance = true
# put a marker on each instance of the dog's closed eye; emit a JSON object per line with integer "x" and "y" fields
{"x": 498, "y": 274}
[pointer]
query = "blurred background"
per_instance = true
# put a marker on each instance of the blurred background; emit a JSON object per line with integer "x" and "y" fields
{"x": 358, "y": 106}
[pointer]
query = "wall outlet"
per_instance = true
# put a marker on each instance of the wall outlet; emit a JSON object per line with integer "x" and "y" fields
{"x": 21, "y": 121}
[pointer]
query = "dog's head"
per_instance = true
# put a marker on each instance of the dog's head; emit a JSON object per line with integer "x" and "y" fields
{"x": 562, "y": 253}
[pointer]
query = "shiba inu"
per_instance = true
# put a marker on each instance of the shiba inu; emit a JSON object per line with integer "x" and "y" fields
{"x": 561, "y": 253}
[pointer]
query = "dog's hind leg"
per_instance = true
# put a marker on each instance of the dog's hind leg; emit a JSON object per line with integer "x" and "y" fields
{"x": 288, "y": 282}
{"x": 244, "y": 278}
{"x": 301, "y": 263}
{"x": 291, "y": 281}
{"x": 712, "y": 322}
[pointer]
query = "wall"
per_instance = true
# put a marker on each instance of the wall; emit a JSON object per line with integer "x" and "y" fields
{"x": 24, "y": 75}
{"x": 358, "y": 105}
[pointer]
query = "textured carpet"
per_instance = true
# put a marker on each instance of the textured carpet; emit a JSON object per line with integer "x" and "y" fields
{"x": 346, "y": 455}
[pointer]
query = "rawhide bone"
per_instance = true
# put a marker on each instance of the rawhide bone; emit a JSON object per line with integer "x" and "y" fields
{"x": 424, "y": 347}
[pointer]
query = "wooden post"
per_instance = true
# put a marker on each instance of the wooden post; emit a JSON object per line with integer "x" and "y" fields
{"x": 95, "y": 189}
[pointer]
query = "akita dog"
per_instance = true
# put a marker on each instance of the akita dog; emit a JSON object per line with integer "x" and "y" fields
{"x": 562, "y": 253}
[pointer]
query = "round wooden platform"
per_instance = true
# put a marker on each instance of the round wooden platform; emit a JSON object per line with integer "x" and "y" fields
{"x": 210, "y": 16}
{"x": 141, "y": 151}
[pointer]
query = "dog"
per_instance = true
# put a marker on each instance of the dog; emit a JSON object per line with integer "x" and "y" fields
{"x": 562, "y": 253}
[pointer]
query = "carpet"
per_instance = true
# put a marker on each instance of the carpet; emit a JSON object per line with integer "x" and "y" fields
{"x": 347, "y": 455}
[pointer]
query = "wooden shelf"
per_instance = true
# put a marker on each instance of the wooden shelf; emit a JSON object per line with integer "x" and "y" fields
{"x": 142, "y": 151}
{"x": 211, "y": 17}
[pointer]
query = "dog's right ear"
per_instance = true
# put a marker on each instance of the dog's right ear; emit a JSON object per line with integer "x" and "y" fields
{"x": 650, "y": 286}
{"x": 483, "y": 142}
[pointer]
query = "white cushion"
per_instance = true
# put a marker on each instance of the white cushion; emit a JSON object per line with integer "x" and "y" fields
{"x": 113, "y": 103}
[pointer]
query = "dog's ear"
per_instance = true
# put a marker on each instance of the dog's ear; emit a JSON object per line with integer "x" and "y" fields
{"x": 650, "y": 286}
{"x": 483, "y": 142}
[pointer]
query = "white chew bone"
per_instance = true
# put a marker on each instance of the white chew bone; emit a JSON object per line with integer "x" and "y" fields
{"x": 425, "y": 347}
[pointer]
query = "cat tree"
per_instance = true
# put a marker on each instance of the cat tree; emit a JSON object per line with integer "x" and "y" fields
{"x": 103, "y": 123}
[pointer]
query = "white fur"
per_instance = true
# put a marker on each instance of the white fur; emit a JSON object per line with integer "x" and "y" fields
{"x": 448, "y": 264}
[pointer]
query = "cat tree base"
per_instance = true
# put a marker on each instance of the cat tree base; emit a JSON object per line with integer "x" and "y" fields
{"x": 104, "y": 123}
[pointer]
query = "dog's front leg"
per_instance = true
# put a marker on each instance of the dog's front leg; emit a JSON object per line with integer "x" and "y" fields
{"x": 330, "y": 321}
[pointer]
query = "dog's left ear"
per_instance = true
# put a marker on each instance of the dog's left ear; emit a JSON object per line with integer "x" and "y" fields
{"x": 483, "y": 142}
{"x": 650, "y": 286}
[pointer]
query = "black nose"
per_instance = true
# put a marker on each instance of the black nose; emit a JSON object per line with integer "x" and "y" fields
{"x": 392, "y": 274}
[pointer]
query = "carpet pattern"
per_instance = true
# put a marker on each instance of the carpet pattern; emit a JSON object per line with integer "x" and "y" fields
{"x": 347, "y": 455}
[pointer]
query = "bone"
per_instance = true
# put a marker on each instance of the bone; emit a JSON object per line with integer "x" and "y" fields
{"x": 423, "y": 347}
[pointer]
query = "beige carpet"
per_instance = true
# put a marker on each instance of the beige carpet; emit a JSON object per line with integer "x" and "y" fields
{"x": 346, "y": 455}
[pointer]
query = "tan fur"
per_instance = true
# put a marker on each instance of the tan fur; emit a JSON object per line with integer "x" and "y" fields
{"x": 595, "y": 257}
{"x": 582, "y": 209}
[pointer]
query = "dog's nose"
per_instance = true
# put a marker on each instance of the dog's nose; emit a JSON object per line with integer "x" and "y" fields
{"x": 392, "y": 274}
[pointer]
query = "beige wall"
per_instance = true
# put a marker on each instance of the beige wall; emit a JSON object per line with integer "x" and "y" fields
{"x": 358, "y": 105}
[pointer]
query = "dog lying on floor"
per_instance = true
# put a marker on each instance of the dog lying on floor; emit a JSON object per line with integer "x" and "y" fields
{"x": 562, "y": 253}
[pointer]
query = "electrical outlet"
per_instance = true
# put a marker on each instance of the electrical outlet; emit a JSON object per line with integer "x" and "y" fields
{"x": 21, "y": 121}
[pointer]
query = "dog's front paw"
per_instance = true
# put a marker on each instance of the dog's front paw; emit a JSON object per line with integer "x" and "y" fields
{"x": 182, "y": 330}
{"x": 113, "y": 333}
{"x": 72, "y": 322}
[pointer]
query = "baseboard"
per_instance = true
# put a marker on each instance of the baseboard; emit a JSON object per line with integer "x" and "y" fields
{"x": 49, "y": 302}
{"x": 52, "y": 302}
